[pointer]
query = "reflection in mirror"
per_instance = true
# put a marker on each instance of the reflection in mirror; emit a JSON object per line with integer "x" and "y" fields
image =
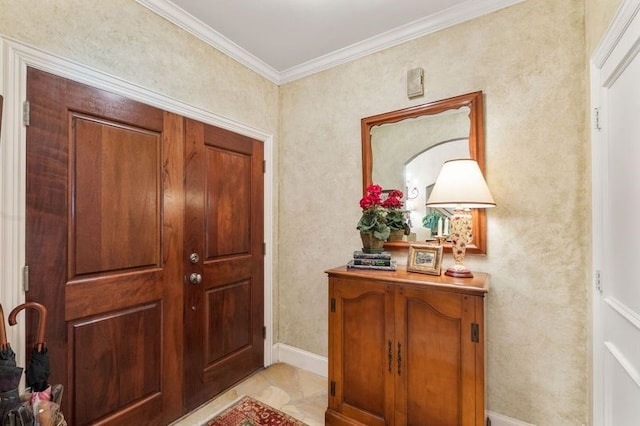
{"x": 405, "y": 150}
{"x": 420, "y": 174}
{"x": 394, "y": 144}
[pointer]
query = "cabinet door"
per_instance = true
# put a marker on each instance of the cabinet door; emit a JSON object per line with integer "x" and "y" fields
{"x": 436, "y": 375}
{"x": 360, "y": 342}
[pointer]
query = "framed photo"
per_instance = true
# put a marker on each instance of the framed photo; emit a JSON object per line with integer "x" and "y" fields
{"x": 426, "y": 259}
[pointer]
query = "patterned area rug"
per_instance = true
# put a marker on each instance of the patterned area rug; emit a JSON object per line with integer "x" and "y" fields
{"x": 249, "y": 412}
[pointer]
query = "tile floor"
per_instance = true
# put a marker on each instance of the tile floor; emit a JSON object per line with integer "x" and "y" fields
{"x": 298, "y": 393}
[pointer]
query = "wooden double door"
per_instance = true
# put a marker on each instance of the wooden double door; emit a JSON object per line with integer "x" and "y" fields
{"x": 144, "y": 240}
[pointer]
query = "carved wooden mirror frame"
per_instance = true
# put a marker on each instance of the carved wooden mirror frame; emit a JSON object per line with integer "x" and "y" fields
{"x": 474, "y": 102}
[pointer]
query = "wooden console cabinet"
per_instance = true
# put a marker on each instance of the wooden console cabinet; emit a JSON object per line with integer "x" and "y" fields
{"x": 405, "y": 348}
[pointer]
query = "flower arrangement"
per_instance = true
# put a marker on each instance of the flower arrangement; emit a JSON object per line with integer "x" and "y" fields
{"x": 380, "y": 217}
{"x": 396, "y": 219}
{"x": 373, "y": 219}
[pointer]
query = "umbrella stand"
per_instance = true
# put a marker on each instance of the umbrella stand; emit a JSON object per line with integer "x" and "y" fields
{"x": 10, "y": 374}
{"x": 43, "y": 406}
{"x": 38, "y": 370}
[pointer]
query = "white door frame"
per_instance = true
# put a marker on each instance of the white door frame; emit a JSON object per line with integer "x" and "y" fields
{"x": 14, "y": 59}
{"x": 614, "y": 37}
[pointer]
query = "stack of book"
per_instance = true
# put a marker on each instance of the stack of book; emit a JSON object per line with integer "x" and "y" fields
{"x": 381, "y": 261}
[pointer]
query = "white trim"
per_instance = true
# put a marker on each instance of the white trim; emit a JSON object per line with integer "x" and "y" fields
{"x": 16, "y": 57}
{"x": 624, "y": 311}
{"x": 463, "y": 12}
{"x": 624, "y": 363}
{"x": 300, "y": 358}
{"x": 500, "y": 420}
{"x": 269, "y": 255}
{"x": 12, "y": 194}
{"x": 627, "y": 10}
{"x": 597, "y": 255}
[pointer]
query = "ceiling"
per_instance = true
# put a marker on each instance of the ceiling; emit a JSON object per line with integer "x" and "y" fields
{"x": 284, "y": 40}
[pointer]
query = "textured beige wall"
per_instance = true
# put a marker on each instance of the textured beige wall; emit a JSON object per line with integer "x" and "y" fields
{"x": 125, "y": 39}
{"x": 529, "y": 60}
{"x": 598, "y": 15}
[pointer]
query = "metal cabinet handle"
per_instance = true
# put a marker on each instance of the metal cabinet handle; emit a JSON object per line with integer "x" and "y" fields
{"x": 399, "y": 358}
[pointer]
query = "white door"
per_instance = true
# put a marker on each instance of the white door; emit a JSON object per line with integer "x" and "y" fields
{"x": 616, "y": 221}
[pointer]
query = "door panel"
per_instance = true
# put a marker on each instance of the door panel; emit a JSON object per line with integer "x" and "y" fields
{"x": 616, "y": 242}
{"x": 115, "y": 191}
{"x": 228, "y": 205}
{"x": 116, "y": 352}
{"x": 102, "y": 250}
{"x": 222, "y": 301}
{"x": 223, "y": 224}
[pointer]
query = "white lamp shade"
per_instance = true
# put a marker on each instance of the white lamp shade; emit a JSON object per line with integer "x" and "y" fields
{"x": 461, "y": 184}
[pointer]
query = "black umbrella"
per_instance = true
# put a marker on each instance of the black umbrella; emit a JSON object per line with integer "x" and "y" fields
{"x": 38, "y": 371}
{"x": 10, "y": 374}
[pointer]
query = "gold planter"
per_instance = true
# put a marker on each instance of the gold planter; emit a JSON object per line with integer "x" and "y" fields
{"x": 396, "y": 235}
{"x": 370, "y": 244}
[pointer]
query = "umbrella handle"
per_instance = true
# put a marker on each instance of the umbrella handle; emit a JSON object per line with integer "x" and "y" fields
{"x": 41, "y": 324}
{"x": 3, "y": 330}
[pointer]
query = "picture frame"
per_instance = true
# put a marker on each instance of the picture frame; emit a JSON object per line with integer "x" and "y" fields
{"x": 425, "y": 259}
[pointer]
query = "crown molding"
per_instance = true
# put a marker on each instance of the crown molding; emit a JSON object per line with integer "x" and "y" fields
{"x": 626, "y": 12}
{"x": 466, "y": 11}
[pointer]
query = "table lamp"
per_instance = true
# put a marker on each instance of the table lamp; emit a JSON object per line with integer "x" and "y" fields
{"x": 461, "y": 186}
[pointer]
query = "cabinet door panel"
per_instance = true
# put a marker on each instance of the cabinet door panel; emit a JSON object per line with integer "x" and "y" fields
{"x": 361, "y": 333}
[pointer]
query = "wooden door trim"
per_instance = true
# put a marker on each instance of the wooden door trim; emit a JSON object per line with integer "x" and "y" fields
{"x": 18, "y": 57}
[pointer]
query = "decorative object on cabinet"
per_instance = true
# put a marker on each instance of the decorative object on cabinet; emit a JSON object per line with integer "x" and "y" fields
{"x": 380, "y": 261}
{"x": 372, "y": 225}
{"x": 380, "y": 217}
{"x": 405, "y": 349}
{"x": 425, "y": 259}
{"x": 395, "y": 218}
{"x": 460, "y": 185}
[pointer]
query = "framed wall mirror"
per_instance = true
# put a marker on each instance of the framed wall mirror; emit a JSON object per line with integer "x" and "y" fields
{"x": 405, "y": 150}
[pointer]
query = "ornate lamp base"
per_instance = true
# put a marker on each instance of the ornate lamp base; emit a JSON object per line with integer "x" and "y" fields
{"x": 458, "y": 271}
{"x": 460, "y": 237}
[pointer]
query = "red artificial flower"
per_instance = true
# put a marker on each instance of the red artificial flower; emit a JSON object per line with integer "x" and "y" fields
{"x": 369, "y": 201}
{"x": 374, "y": 190}
{"x": 372, "y": 198}
{"x": 394, "y": 200}
{"x": 395, "y": 193}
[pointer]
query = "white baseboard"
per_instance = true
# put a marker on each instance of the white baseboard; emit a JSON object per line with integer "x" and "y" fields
{"x": 300, "y": 358}
{"x": 500, "y": 420}
{"x": 319, "y": 365}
